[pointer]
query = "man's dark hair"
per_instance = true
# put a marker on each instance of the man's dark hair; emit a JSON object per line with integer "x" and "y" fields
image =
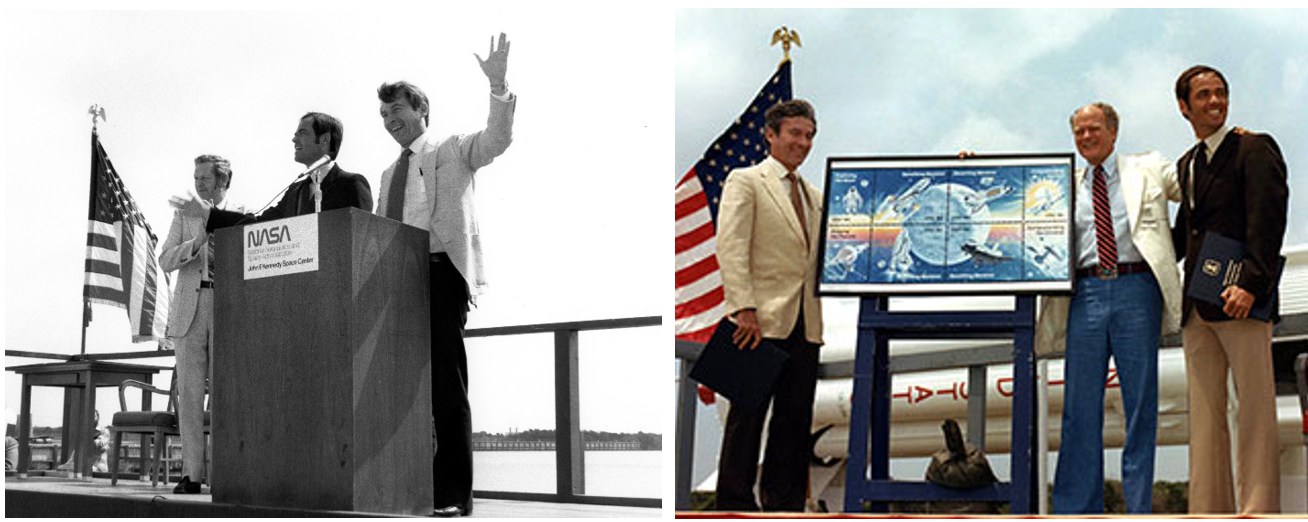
{"x": 326, "y": 124}
{"x": 1183, "y": 82}
{"x": 221, "y": 168}
{"x": 389, "y": 92}
{"x": 787, "y": 109}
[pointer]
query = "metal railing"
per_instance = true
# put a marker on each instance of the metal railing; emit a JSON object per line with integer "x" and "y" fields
{"x": 570, "y": 468}
{"x": 570, "y": 452}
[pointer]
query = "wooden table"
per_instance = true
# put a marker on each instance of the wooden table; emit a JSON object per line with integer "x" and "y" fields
{"x": 73, "y": 377}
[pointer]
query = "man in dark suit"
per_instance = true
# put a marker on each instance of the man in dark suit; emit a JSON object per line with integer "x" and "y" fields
{"x": 327, "y": 187}
{"x": 1234, "y": 184}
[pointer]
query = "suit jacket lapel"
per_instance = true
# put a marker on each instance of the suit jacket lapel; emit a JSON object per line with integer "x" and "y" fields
{"x": 303, "y": 197}
{"x": 772, "y": 179}
{"x": 1225, "y": 153}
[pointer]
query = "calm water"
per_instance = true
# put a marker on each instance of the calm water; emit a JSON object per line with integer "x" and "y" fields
{"x": 608, "y": 473}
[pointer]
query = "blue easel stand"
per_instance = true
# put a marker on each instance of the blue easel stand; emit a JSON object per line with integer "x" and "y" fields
{"x": 867, "y": 479}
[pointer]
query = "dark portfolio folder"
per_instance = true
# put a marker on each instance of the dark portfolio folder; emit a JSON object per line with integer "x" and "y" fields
{"x": 744, "y": 376}
{"x": 1221, "y": 259}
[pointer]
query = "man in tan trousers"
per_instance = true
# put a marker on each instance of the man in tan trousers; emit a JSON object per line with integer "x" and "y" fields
{"x": 1234, "y": 184}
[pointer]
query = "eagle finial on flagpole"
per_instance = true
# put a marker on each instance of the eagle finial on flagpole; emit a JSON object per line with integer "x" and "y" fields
{"x": 786, "y": 36}
{"x": 97, "y": 114}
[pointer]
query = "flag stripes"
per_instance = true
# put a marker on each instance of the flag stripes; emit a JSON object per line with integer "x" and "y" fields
{"x": 121, "y": 267}
{"x": 700, "y": 300}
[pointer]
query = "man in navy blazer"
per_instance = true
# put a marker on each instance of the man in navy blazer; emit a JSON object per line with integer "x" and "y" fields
{"x": 1234, "y": 184}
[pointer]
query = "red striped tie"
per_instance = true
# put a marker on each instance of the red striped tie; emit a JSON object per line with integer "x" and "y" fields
{"x": 1104, "y": 236}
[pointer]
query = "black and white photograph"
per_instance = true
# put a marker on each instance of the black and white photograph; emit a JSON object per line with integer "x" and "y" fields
{"x": 312, "y": 260}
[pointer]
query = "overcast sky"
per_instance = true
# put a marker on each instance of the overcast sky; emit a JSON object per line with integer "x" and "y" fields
{"x": 570, "y": 225}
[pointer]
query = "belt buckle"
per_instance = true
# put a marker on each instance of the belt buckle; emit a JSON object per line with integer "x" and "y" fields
{"x": 1107, "y": 273}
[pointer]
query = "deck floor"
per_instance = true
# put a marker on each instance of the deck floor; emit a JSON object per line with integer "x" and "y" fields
{"x": 132, "y": 491}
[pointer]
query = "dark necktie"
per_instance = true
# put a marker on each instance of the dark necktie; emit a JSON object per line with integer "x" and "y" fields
{"x": 1200, "y": 165}
{"x": 798, "y": 204}
{"x": 209, "y": 254}
{"x": 1104, "y": 235}
{"x": 395, "y": 201}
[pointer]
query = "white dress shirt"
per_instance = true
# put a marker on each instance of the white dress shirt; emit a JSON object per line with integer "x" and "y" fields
{"x": 1088, "y": 246}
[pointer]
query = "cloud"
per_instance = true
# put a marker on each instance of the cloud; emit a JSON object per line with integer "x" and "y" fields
{"x": 1139, "y": 85}
{"x": 1019, "y": 36}
{"x": 983, "y": 134}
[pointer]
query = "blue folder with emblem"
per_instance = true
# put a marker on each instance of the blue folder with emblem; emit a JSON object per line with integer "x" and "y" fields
{"x": 1221, "y": 260}
{"x": 745, "y": 377}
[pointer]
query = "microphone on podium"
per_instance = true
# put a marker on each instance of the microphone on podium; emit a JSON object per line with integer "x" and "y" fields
{"x": 317, "y": 194}
{"x": 317, "y": 191}
{"x": 321, "y": 161}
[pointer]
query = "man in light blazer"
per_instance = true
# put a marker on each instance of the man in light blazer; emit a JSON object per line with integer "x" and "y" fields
{"x": 1127, "y": 295}
{"x": 189, "y": 252}
{"x": 767, "y": 251}
{"x": 431, "y": 186}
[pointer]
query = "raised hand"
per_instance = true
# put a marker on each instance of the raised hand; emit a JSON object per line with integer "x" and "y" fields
{"x": 191, "y": 205}
{"x": 496, "y": 64}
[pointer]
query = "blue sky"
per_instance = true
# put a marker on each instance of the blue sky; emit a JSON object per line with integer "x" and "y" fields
{"x": 942, "y": 80}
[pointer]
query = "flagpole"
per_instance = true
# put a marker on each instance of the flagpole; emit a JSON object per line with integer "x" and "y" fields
{"x": 90, "y": 205}
{"x": 786, "y": 36}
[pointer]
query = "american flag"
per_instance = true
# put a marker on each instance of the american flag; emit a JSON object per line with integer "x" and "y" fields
{"x": 121, "y": 268}
{"x": 700, "y": 301}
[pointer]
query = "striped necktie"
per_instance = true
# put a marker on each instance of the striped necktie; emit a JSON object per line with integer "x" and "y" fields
{"x": 1104, "y": 235}
{"x": 208, "y": 246}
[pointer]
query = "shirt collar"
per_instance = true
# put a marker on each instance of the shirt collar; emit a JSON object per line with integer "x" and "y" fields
{"x": 776, "y": 167}
{"x": 1110, "y": 169}
{"x": 1214, "y": 140}
{"x": 421, "y": 141}
{"x": 322, "y": 172}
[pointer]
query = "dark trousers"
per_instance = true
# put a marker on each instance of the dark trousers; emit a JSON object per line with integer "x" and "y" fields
{"x": 452, "y": 464}
{"x": 784, "y": 484}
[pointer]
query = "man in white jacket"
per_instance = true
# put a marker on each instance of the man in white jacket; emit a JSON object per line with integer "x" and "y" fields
{"x": 1127, "y": 295}
{"x": 189, "y": 252}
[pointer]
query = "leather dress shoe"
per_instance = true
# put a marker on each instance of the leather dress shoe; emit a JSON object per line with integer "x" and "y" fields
{"x": 451, "y": 511}
{"x": 187, "y": 487}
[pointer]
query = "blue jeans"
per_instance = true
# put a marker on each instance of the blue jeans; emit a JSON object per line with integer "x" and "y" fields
{"x": 1120, "y": 318}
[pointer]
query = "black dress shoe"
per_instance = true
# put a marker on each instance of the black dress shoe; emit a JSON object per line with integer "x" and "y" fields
{"x": 187, "y": 487}
{"x": 450, "y": 511}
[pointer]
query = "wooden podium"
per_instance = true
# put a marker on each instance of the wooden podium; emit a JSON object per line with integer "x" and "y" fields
{"x": 322, "y": 378}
